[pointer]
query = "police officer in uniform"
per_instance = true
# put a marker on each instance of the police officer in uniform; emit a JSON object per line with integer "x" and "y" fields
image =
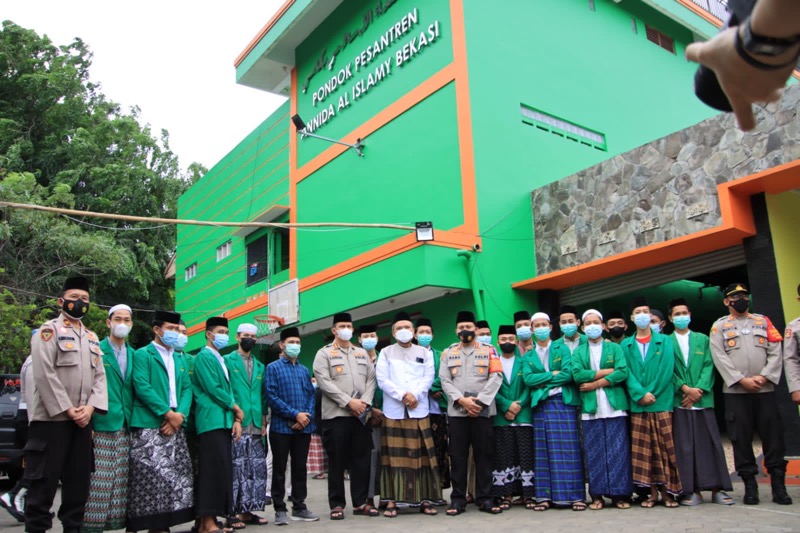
{"x": 70, "y": 385}
{"x": 746, "y": 349}
{"x": 471, "y": 374}
{"x": 791, "y": 356}
{"x": 346, "y": 376}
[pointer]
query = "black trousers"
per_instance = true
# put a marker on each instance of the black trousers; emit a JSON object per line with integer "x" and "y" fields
{"x": 57, "y": 451}
{"x": 348, "y": 443}
{"x": 478, "y": 433}
{"x": 747, "y": 413}
{"x": 214, "y": 487}
{"x": 283, "y": 446}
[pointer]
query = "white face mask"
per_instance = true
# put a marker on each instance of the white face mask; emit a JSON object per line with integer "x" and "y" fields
{"x": 344, "y": 334}
{"x": 404, "y": 335}
{"x": 120, "y": 331}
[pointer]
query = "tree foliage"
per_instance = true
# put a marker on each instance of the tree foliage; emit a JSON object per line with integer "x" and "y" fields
{"x": 63, "y": 143}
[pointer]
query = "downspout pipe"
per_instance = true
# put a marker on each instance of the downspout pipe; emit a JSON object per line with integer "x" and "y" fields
{"x": 469, "y": 255}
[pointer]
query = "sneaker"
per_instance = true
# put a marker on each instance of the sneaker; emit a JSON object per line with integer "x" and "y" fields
{"x": 281, "y": 518}
{"x": 7, "y": 502}
{"x": 305, "y": 515}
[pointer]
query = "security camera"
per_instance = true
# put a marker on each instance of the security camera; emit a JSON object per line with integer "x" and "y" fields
{"x": 476, "y": 247}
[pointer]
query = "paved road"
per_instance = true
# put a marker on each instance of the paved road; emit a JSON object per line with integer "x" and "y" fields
{"x": 706, "y": 518}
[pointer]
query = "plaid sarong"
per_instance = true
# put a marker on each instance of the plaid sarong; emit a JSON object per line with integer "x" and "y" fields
{"x": 653, "y": 451}
{"x": 317, "y": 457}
{"x": 107, "y": 505}
{"x": 558, "y": 464}
{"x": 409, "y": 470}
{"x": 608, "y": 457}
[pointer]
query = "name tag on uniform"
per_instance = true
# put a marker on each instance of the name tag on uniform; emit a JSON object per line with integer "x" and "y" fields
{"x": 420, "y": 360}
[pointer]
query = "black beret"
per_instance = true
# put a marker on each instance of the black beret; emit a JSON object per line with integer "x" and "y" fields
{"x": 675, "y": 303}
{"x": 342, "y": 317}
{"x": 616, "y": 313}
{"x": 367, "y": 328}
{"x": 465, "y": 316}
{"x": 639, "y": 301}
{"x": 167, "y": 316}
{"x": 522, "y": 315}
{"x": 424, "y": 322}
{"x": 736, "y": 288}
{"x": 401, "y": 315}
{"x": 568, "y": 309}
{"x": 482, "y": 324}
{"x": 215, "y": 321}
{"x": 290, "y": 332}
{"x": 76, "y": 282}
{"x": 507, "y": 330}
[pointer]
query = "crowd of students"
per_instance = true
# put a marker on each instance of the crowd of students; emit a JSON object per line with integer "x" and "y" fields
{"x": 154, "y": 437}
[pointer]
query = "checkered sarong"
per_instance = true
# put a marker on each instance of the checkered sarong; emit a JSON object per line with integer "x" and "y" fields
{"x": 653, "y": 451}
{"x": 558, "y": 462}
{"x": 317, "y": 457}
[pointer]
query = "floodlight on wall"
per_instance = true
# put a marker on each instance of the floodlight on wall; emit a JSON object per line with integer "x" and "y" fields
{"x": 301, "y": 129}
{"x": 424, "y": 231}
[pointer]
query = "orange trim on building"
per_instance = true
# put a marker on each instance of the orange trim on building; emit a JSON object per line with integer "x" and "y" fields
{"x": 702, "y": 13}
{"x": 293, "y": 179}
{"x": 268, "y": 26}
{"x": 737, "y": 223}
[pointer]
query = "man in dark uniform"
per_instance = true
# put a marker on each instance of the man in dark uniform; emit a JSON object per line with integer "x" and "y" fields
{"x": 746, "y": 349}
{"x": 70, "y": 383}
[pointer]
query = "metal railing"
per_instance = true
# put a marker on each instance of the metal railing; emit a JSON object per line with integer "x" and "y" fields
{"x": 718, "y": 8}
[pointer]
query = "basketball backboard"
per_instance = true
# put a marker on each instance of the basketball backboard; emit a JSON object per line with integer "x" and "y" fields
{"x": 284, "y": 301}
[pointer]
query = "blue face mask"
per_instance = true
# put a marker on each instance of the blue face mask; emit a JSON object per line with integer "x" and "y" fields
{"x": 593, "y": 331}
{"x": 485, "y": 339}
{"x": 220, "y": 341}
{"x": 369, "y": 343}
{"x": 542, "y": 333}
{"x": 169, "y": 338}
{"x": 655, "y": 328}
{"x": 569, "y": 329}
{"x": 642, "y": 320}
{"x": 425, "y": 340}
{"x": 292, "y": 350}
{"x": 524, "y": 333}
{"x": 180, "y": 344}
{"x": 682, "y": 321}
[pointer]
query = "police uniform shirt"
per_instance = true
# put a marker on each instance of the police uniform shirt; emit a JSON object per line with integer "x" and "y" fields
{"x": 791, "y": 354}
{"x": 341, "y": 374}
{"x": 746, "y": 347}
{"x": 474, "y": 369}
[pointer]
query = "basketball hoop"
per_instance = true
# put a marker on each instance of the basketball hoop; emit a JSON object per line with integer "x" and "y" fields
{"x": 267, "y": 326}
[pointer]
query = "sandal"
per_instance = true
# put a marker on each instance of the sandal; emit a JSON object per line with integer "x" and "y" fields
{"x": 366, "y": 510}
{"x": 337, "y": 513}
{"x": 253, "y": 520}
{"x": 428, "y": 509}
{"x": 320, "y": 476}
{"x": 541, "y": 506}
{"x": 722, "y": 498}
{"x": 391, "y": 511}
{"x": 649, "y": 503}
{"x": 504, "y": 504}
{"x": 455, "y": 510}
{"x": 530, "y": 504}
{"x": 622, "y": 504}
{"x": 670, "y": 503}
{"x": 489, "y": 507}
{"x": 597, "y": 504}
{"x": 579, "y": 506}
{"x": 234, "y": 522}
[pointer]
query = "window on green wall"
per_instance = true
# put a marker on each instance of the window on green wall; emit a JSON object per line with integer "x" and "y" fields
{"x": 280, "y": 254}
{"x": 256, "y": 268}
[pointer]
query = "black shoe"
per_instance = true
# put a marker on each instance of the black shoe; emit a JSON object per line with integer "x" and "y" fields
{"x": 268, "y": 500}
{"x": 778, "y": 482}
{"x": 750, "y": 490}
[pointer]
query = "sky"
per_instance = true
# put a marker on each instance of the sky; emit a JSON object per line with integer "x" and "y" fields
{"x": 173, "y": 59}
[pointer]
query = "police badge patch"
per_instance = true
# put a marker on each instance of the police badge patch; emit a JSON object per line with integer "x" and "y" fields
{"x": 46, "y": 334}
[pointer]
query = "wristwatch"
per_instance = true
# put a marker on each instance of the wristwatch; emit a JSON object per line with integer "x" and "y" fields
{"x": 749, "y": 44}
{"x": 766, "y": 46}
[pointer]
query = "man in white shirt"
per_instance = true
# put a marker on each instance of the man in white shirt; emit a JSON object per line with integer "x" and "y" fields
{"x": 405, "y": 373}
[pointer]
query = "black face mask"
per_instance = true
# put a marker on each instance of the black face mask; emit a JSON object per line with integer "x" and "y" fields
{"x": 508, "y": 347}
{"x": 617, "y": 331}
{"x": 740, "y": 306}
{"x": 247, "y": 344}
{"x": 466, "y": 336}
{"x": 76, "y": 309}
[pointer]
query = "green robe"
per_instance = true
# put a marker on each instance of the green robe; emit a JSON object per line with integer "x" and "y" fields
{"x": 653, "y": 375}
{"x": 700, "y": 372}
{"x": 514, "y": 391}
{"x": 213, "y": 395}
{"x": 151, "y": 388}
{"x": 611, "y": 357}
{"x": 249, "y": 392}
{"x": 542, "y": 382}
{"x": 120, "y": 392}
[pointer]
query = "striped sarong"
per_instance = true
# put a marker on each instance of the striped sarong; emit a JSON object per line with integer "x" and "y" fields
{"x": 409, "y": 471}
{"x": 607, "y": 451}
{"x": 107, "y": 505}
{"x": 653, "y": 451}
{"x": 558, "y": 464}
{"x": 317, "y": 458}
